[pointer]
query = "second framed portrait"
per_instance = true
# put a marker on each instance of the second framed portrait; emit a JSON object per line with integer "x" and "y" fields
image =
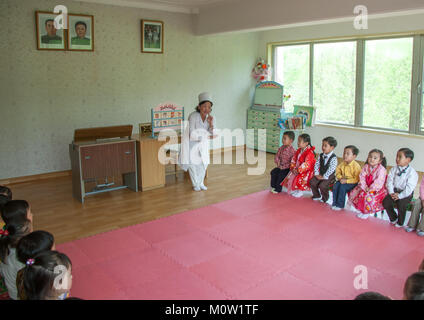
{"x": 80, "y": 32}
{"x": 151, "y": 36}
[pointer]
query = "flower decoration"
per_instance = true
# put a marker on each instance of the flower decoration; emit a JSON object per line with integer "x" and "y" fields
{"x": 261, "y": 71}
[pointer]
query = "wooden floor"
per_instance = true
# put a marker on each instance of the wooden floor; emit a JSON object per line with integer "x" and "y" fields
{"x": 67, "y": 219}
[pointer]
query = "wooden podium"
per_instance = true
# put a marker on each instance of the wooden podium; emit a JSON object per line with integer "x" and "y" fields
{"x": 100, "y": 153}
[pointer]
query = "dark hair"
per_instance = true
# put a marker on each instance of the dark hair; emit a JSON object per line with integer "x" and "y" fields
{"x": 414, "y": 286}
{"x": 382, "y": 157}
{"x": 289, "y": 134}
{"x": 14, "y": 214}
{"x": 32, "y": 244}
{"x": 331, "y": 141}
{"x": 81, "y": 22}
{"x": 39, "y": 277}
{"x": 371, "y": 296}
{"x": 306, "y": 138}
{"x": 5, "y": 195}
{"x": 198, "y": 106}
{"x": 45, "y": 23}
{"x": 354, "y": 149}
{"x": 407, "y": 152}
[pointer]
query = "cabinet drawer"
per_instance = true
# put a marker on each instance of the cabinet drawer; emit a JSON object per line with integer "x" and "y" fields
{"x": 99, "y": 161}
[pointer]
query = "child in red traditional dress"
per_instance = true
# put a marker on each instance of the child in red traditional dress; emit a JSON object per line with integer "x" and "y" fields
{"x": 367, "y": 197}
{"x": 301, "y": 167}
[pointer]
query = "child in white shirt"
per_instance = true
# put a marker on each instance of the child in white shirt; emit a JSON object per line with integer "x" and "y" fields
{"x": 401, "y": 183}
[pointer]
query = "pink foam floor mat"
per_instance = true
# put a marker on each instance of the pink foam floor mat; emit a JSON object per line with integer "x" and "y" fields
{"x": 260, "y": 246}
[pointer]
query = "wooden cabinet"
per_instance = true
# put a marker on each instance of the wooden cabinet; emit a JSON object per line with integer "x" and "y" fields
{"x": 92, "y": 161}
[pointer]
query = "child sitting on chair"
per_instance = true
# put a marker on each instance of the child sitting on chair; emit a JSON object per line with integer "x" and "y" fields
{"x": 324, "y": 171}
{"x": 282, "y": 160}
{"x": 414, "y": 221}
{"x": 347, "y": 176}
{"x": 401, "y": 183}
{"x": 301, "y": 167}
{"x": 368, "y": 195}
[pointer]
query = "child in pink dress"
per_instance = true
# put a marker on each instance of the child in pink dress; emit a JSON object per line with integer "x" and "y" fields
{"x": 368, "y": 195}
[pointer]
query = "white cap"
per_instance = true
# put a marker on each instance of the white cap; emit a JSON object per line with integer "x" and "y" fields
{"x": 205, "y": 96}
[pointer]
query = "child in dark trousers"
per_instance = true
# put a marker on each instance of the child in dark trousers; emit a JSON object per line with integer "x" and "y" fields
{"x": 324, "y": 170}
{"x": 347, "y": 176}
{"x": 401, "y": 183}
{"x": 282, "y": 160}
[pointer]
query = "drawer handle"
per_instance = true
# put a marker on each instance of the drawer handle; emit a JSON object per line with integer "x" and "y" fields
{"x": 127, "y": 152}
{"x": 87, "y": 158}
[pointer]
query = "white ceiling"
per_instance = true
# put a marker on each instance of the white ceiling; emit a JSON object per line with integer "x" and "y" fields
{"x": 185, "y": 6}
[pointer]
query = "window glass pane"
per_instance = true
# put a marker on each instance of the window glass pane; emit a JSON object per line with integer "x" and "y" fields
{"x": 292, "y": 71}
{"x": 334, "y": 81}
{"x": 387, "y": 83}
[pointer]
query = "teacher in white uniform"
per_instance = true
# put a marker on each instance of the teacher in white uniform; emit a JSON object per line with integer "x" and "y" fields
{"x": 194, "y": 155}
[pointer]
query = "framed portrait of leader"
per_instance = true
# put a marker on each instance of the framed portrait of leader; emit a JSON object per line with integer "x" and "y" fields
{"x": 151, "y": 36}
{"x": 48, "y": 37}
{"x": 80, "y": 32}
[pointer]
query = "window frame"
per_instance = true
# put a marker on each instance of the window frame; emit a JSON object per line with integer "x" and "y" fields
{"x": 417, "y": 76}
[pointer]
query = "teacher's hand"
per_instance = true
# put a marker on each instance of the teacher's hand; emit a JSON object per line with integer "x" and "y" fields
{"x": 210, "y": 120}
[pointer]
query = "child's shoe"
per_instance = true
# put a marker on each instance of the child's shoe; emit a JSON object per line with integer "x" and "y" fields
{"x": 273, "y": 191}
{"x": 316, "y": 199}
{"x": 420, "y": 233}
{"x": 409, "y": 229}
{"x": 196, "y": 188}
{"x": 393, "y": 222}
{"x": 297, "y": 194}
{"x": 398, "y": 225}
{"x": 336, "y": 208}
{"x": 203, "y": 187}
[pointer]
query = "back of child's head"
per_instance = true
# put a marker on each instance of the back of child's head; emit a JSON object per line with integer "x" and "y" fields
{"x": 289, "y": 134}
{"x": 5, "y": 195}
{"x": 354, "y": 149}
{"x": 407, "y": 152}
{"x": 32, "y": 244}
{"x": 414, "y": 286}
{"x": 331, "y": 141}
{"x": 15, "y": 210}
{"x": 305, "y": 138}
{"x": 382, "y": 157}
{"x": 44, "y": 277}
{"x": 371, "y": 296}
{"x": 17, "y": 225}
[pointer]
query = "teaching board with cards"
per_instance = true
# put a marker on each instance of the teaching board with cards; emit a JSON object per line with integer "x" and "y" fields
{"x": 167, "y": 116}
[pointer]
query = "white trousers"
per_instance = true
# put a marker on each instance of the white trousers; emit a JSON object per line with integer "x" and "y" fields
{"x": 197, "y": 174}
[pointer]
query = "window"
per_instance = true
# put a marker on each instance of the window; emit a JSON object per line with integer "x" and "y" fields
{"x": 334, "y": 81}
{"x": 387, "y": 83}
{"x": 377, "y": 82}
{"x": 292, "y": 71}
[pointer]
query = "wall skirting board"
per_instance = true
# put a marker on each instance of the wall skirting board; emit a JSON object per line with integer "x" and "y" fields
{"x": 66, "y": 173}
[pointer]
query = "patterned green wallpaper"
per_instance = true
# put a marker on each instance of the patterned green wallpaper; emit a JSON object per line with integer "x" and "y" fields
{"x": 46, "y": 95}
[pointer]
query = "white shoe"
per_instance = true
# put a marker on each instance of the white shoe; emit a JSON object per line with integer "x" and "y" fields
{"x": 336, "y": 208}
{"x": 365, "y": 216}
{"x": 196, "y": 188}
{"x": 273, "y": 191}
{"x": 398, "y": 225}
{"x": 203, "y": 187}
{"x": 420, "y": 233}
{"x": 316, "y": 199}
{"x": 297, "y": 194}
{"x": 393, "y": 222}
{"x": 409, "y": 229}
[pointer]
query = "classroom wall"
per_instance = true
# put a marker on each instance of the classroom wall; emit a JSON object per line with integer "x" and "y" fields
{"x": 364, "y": 140}
{"x": 46, "y": 95}
{"x": 245, "y": 15}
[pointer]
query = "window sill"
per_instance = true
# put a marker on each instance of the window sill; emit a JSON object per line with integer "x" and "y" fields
{"x": 369, "y": 130}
